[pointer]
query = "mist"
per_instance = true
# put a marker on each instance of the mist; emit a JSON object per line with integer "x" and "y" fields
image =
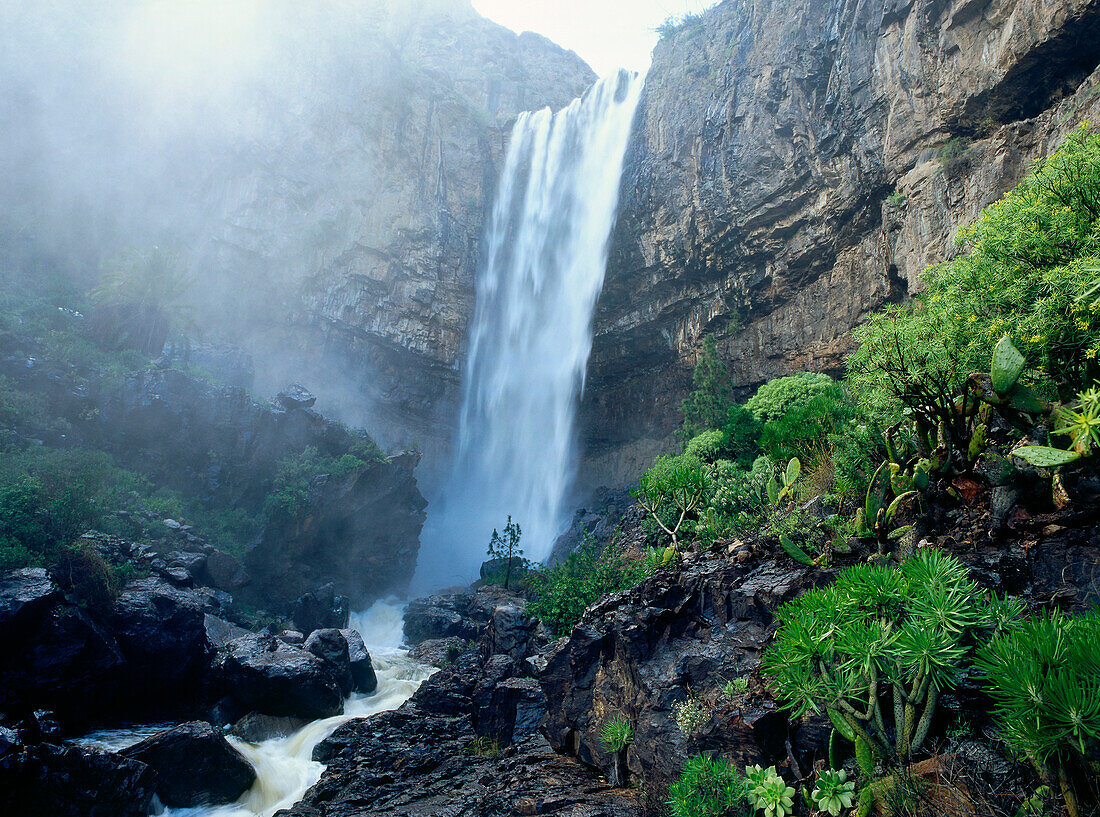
{"x": 252, "y": 137}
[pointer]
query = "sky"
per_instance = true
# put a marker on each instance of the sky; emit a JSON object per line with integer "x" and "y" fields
{"x": 608, "y": 34}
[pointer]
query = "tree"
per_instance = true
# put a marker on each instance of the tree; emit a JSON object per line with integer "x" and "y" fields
{"x": 707, "y": 405}
{"x": 681, "y": 482}
{"x": 507, "y": 548}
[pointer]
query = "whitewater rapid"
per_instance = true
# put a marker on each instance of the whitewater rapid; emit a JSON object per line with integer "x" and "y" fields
{"x": 546, "y": 250}
{"x": 284, "y": 766}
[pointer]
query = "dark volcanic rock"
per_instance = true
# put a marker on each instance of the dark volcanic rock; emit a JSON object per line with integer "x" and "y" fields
{"x": 362, "y": 668}
{"x": 264, "y": 674}
{"x": 320, "y": 608}
{"x": 463, "y": 614}
{"x": 332, "y": 648}
{"x": 296, "y": 396}
{"x": 407, "y": 764}
{"x": 256, "y": 727}
{"x": 195, "y": 766}
{"x": 162, "y": 632}
{"x": 24, "y": 596}
{"x": 73, "y": 782}
{"x": 681, "y": 631}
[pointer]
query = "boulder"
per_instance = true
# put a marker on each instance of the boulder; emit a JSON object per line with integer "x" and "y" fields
{"x": 331, "y": 647}
{"x": 264, "y": 674}
{"x": 223, "y": 571}
{"x": 362, "y": 668}
{"x": 439, "y": 652}
{"x": 161, "y": 630}
{"x": 296, "y": 396}
{"x": 220, "y": 632}
{"x": 195, "y": 766}
{"x": 256, "y": 727}
{"x": 24, "y": 596}
{"x": 463, "y": 614}
{"x": 320, "y": 609}
{"x": 44, "y": 779}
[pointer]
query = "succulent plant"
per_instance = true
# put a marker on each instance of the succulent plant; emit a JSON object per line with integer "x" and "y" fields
{"x": 833, "y": 792}
{"x": 768, "y": 792}
{"x": 617, "y": 734}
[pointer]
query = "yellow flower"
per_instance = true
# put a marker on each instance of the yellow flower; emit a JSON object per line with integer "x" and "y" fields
{"x": 1082, "y": 324}
{"x": 1090, "y": 354}
{"x": 1036, "y": 338}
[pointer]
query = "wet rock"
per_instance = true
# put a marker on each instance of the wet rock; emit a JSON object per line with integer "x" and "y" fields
{"x": 463, "y": 614}
{"x": 296, "y": 396}
{"x": 331, "y": 647}
{"x": 24, "y": 596}
{"x": 74, "y": 782}
{"x": 362, "y": 668}
{"x": 220, "y": 632}
{"x": 263, "y": 674}
{"x": 255, "y": 727}
{"x": 319, "y": 609}
{"x": 223, "y": 572}
{"x": 195, "y": 766}
{"x": 439, "y": 652}
{"x": 680, "y": 632}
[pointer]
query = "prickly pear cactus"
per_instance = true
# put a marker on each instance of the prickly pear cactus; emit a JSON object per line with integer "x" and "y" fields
{"x": 1006, "y": 367}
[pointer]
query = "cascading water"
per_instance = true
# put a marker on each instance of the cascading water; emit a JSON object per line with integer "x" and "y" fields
{"x": 285, "y": 768}
{"x": 546, "y": 254}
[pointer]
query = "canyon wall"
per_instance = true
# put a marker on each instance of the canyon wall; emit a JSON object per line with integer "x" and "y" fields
{"x": 796, "y": 166}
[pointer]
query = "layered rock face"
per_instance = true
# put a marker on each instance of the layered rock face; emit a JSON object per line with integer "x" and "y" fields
{"x": 796, "y": 166}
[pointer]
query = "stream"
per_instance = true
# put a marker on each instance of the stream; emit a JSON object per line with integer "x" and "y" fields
{"x": 284, "y": 766}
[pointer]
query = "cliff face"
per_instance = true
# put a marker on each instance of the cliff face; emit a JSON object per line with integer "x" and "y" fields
{"x": 759, "y": 202}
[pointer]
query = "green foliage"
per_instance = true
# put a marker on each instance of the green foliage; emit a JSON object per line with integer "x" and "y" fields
{"x": 706, "y": 447}
{"x": 768, "y": 792}
{"x": 139, "y": 299}
{"x": 906, "y": 632}
{"x": 559, "y": 596}
{"x": 673, "y": 24}
{"x": 706, "y": 407}
{"x": 741, "y": 436}
{"x": 677, "y": 484}
{"x": 483, "y": 746}
{"x": 709, "y": 787}
{"x": 736, "y": 687}
{"x": 803, "y": 431}
{"x": 295, "y": 474}
{"x": 507, "y": 549}
{"x": 896, "y": 199}
{"x": 616, "y": 734}
{"x": 777, "y": 397}
{"x": 79, "y": 569}
{"x": 833, "y": 792}
{"x": 1031, "y": 256}
{"x": 1044, "y": 677}
{"x": 781, "y": 488}
{"x": 954, "y": 154}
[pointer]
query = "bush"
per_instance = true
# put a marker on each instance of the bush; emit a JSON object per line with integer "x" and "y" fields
{"x": 673, "y": 489}
{"x": 1030, "y": 258}
{"x": 705, "y": 408}
{"x": 80, "y": 570}
{"x": 876, "y": 631}
{"x": 559, "y": 596}
{"x": 1045, "y": 680}
{"x": 709, "y": 787}
{"x": 705, "y": 447}
{"x": 777, "y": 397}
{"x": 741, "y": 436}
{"x": 804, "y": 429}
{"x": 289, "y": 496}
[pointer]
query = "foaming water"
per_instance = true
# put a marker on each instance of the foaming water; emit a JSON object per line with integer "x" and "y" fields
{"x": 284, "y": 766}
{"x": 531, "y": 334}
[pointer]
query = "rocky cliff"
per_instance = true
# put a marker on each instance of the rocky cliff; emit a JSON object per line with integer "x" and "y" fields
{"x": 797, "y": 165}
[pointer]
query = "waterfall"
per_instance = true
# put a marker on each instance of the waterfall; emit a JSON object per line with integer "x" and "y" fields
{"x": 545, "y": 257}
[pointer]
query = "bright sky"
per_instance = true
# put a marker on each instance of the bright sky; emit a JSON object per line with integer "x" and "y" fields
{"x": 608, "y": 34}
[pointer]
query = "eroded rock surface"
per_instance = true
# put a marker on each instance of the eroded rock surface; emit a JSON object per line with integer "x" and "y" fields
{"x": 793, "y": 168}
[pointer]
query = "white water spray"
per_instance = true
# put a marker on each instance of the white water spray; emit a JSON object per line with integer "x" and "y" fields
{"x": 285, "y": 768}
{"x": 546, "y": 254}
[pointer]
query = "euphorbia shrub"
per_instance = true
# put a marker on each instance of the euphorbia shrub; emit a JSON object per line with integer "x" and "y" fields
{"x": 875, "y": 649}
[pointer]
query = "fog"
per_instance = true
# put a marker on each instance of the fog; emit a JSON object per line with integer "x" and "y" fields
{"x": 233, "y": 132}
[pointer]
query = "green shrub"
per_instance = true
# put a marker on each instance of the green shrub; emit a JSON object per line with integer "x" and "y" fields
{"x": 506, "y": 549}
{"x": 777, "y": 397}
{"x": 1029, "y": 258}
{"x": 741, "y": 436}
{"x": 289, "y": 496}
{"x": 907, "y": 633}
{"x": 705, "y": 408}
{"x": 1045, "y": 680}
{"x": 616, "y": 734}
{"x": 709, "y": 787}
{"x": 803, "y": 431}
{"x": 705, "y": 447}
{"x": 559, "y": 596}
{"x": 671, "y": 490}
{"x": 79, "y": 569}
